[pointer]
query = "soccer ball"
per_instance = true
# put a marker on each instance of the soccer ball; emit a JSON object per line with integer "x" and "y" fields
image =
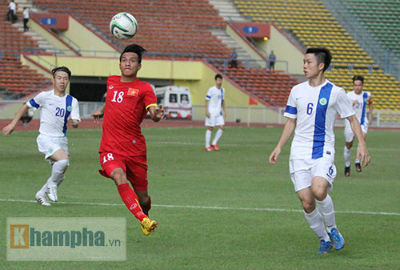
{"x": 123, "y": 26}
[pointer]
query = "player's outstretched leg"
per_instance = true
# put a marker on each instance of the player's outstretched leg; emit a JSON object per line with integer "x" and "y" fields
{"x": 132, "y": 203}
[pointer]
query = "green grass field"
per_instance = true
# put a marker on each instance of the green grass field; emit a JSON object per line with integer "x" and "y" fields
{"x": 218, "y": 210}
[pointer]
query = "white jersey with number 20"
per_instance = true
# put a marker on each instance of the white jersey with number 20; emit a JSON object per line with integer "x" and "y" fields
{"x": 54, "y": 112}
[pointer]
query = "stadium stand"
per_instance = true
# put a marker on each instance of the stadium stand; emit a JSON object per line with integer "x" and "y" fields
{"x": 312, "y": 24}
{"x": 19, "y": 80}
{"x": 381, "y": 18}
{"x": 178, "y": 29}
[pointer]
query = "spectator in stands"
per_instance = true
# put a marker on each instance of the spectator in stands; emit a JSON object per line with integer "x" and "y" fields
{"x": 233, "y": 59}
{"x": 12, "y": 12}
{"x": 26, "y": 18}
{"x": 271, "y": 60}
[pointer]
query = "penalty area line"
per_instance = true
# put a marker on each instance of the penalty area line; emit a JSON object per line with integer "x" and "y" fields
{"x": 211, "y": 207}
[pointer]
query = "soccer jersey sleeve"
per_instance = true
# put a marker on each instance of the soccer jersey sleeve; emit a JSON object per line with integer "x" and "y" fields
{"x": 208, "y": 96}
{"x": 75, "y": 110}
{"x": 150, "y": 98}
{"x": 291, "y": 106}
{"x": 37, "y": 101}
{"x": 343, "y": 104}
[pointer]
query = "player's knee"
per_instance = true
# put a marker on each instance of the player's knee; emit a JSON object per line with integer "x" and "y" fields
{"x": 119, "y": 177}
{"x": 308, "y": 205}
{"x": 349, "y": 145}
{"x": 210, "y": 128}
{"x": 221, "y": 128}
{"x": 319, "y": 194}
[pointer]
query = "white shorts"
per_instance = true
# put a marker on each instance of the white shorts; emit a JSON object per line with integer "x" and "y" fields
{"x": 214, "y": 120}
{"x": 48, "y": 145}
{"x": 348, "y": 132}
{"x": 302, "y": 171}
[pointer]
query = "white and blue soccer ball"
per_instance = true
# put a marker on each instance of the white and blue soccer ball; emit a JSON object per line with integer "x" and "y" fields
{"x": 123, "y": 26}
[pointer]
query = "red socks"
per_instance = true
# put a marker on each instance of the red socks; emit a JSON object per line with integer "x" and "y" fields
{"x": 131, "y": 201}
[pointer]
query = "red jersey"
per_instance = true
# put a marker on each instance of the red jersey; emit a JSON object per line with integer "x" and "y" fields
{"x": 126, "y": 107}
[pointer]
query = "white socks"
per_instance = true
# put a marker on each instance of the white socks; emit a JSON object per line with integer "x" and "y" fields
{"x": 357, "y": 160}
{"x": 57, "y": 175}
{"x": 217, "y": 136}
{"x": 316, "y": 224}
{"x": 347, "y": 155}
{"x": 325, "y": 207}
{"x": 208, "y": 137}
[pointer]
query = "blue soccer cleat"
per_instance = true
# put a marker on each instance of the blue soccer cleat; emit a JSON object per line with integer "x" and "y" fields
{"x": 324, "y": 247}
{"x": 336, "y": 238}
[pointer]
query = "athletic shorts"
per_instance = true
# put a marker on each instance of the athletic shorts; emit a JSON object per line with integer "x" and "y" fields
{"x": 134, "y": 167}
{"x": 49, "y": 145}
{"x": 215, "y": 119}
{"x": 302, "y": 171}
{"x": 348, "y": 132}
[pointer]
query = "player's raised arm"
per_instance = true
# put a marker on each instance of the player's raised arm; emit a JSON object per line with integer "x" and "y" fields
{"x": 156, "y": 113}
{"x": 362, "y": 152}
{"x": 286, "y": 133}
{"x": 10, "y": 127}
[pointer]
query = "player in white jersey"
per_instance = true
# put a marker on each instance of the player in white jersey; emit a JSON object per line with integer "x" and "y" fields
{"x": 56, "y": 108}
{"x": 360, "y": 100}
{"x": 311, "y": 112}
{"x": 215, "y": 113}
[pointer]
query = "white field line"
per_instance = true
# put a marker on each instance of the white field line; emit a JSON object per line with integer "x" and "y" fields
{"x": 212, "y": 207}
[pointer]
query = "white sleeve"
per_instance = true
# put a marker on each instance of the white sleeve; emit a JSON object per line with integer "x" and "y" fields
{"x": 75, "y": 110}
{"x": 343, "y": 104}
{"x": 291, "y": 106}
{"x": 208, "y": 96}
{"x": 37, "y": 101}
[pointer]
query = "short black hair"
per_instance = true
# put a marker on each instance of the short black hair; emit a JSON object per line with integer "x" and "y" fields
{"x": 139, "y": 50}
{"x": 323, "y": 56}
{"x": 358, "y": 78}
{"x": 63, "y": 68}
{"x": 218, "y": 76}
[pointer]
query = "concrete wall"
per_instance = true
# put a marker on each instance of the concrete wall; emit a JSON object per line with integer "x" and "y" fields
{"x": 285, "y": 51}
{"x": 86, "y": 41}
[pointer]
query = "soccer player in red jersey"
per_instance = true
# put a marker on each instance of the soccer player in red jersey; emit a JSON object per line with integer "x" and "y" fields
{"x": 123, "y": 147}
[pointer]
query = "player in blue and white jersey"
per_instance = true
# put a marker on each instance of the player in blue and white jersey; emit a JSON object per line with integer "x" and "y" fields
{"x": 360, "y": 100}
{"x": 56, "y": 108}
{"x": 215, "y": 113}
{"x": 311, "y": 111}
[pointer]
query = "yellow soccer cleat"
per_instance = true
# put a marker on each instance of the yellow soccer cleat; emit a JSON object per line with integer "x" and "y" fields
{"x": 147, "y": 225}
